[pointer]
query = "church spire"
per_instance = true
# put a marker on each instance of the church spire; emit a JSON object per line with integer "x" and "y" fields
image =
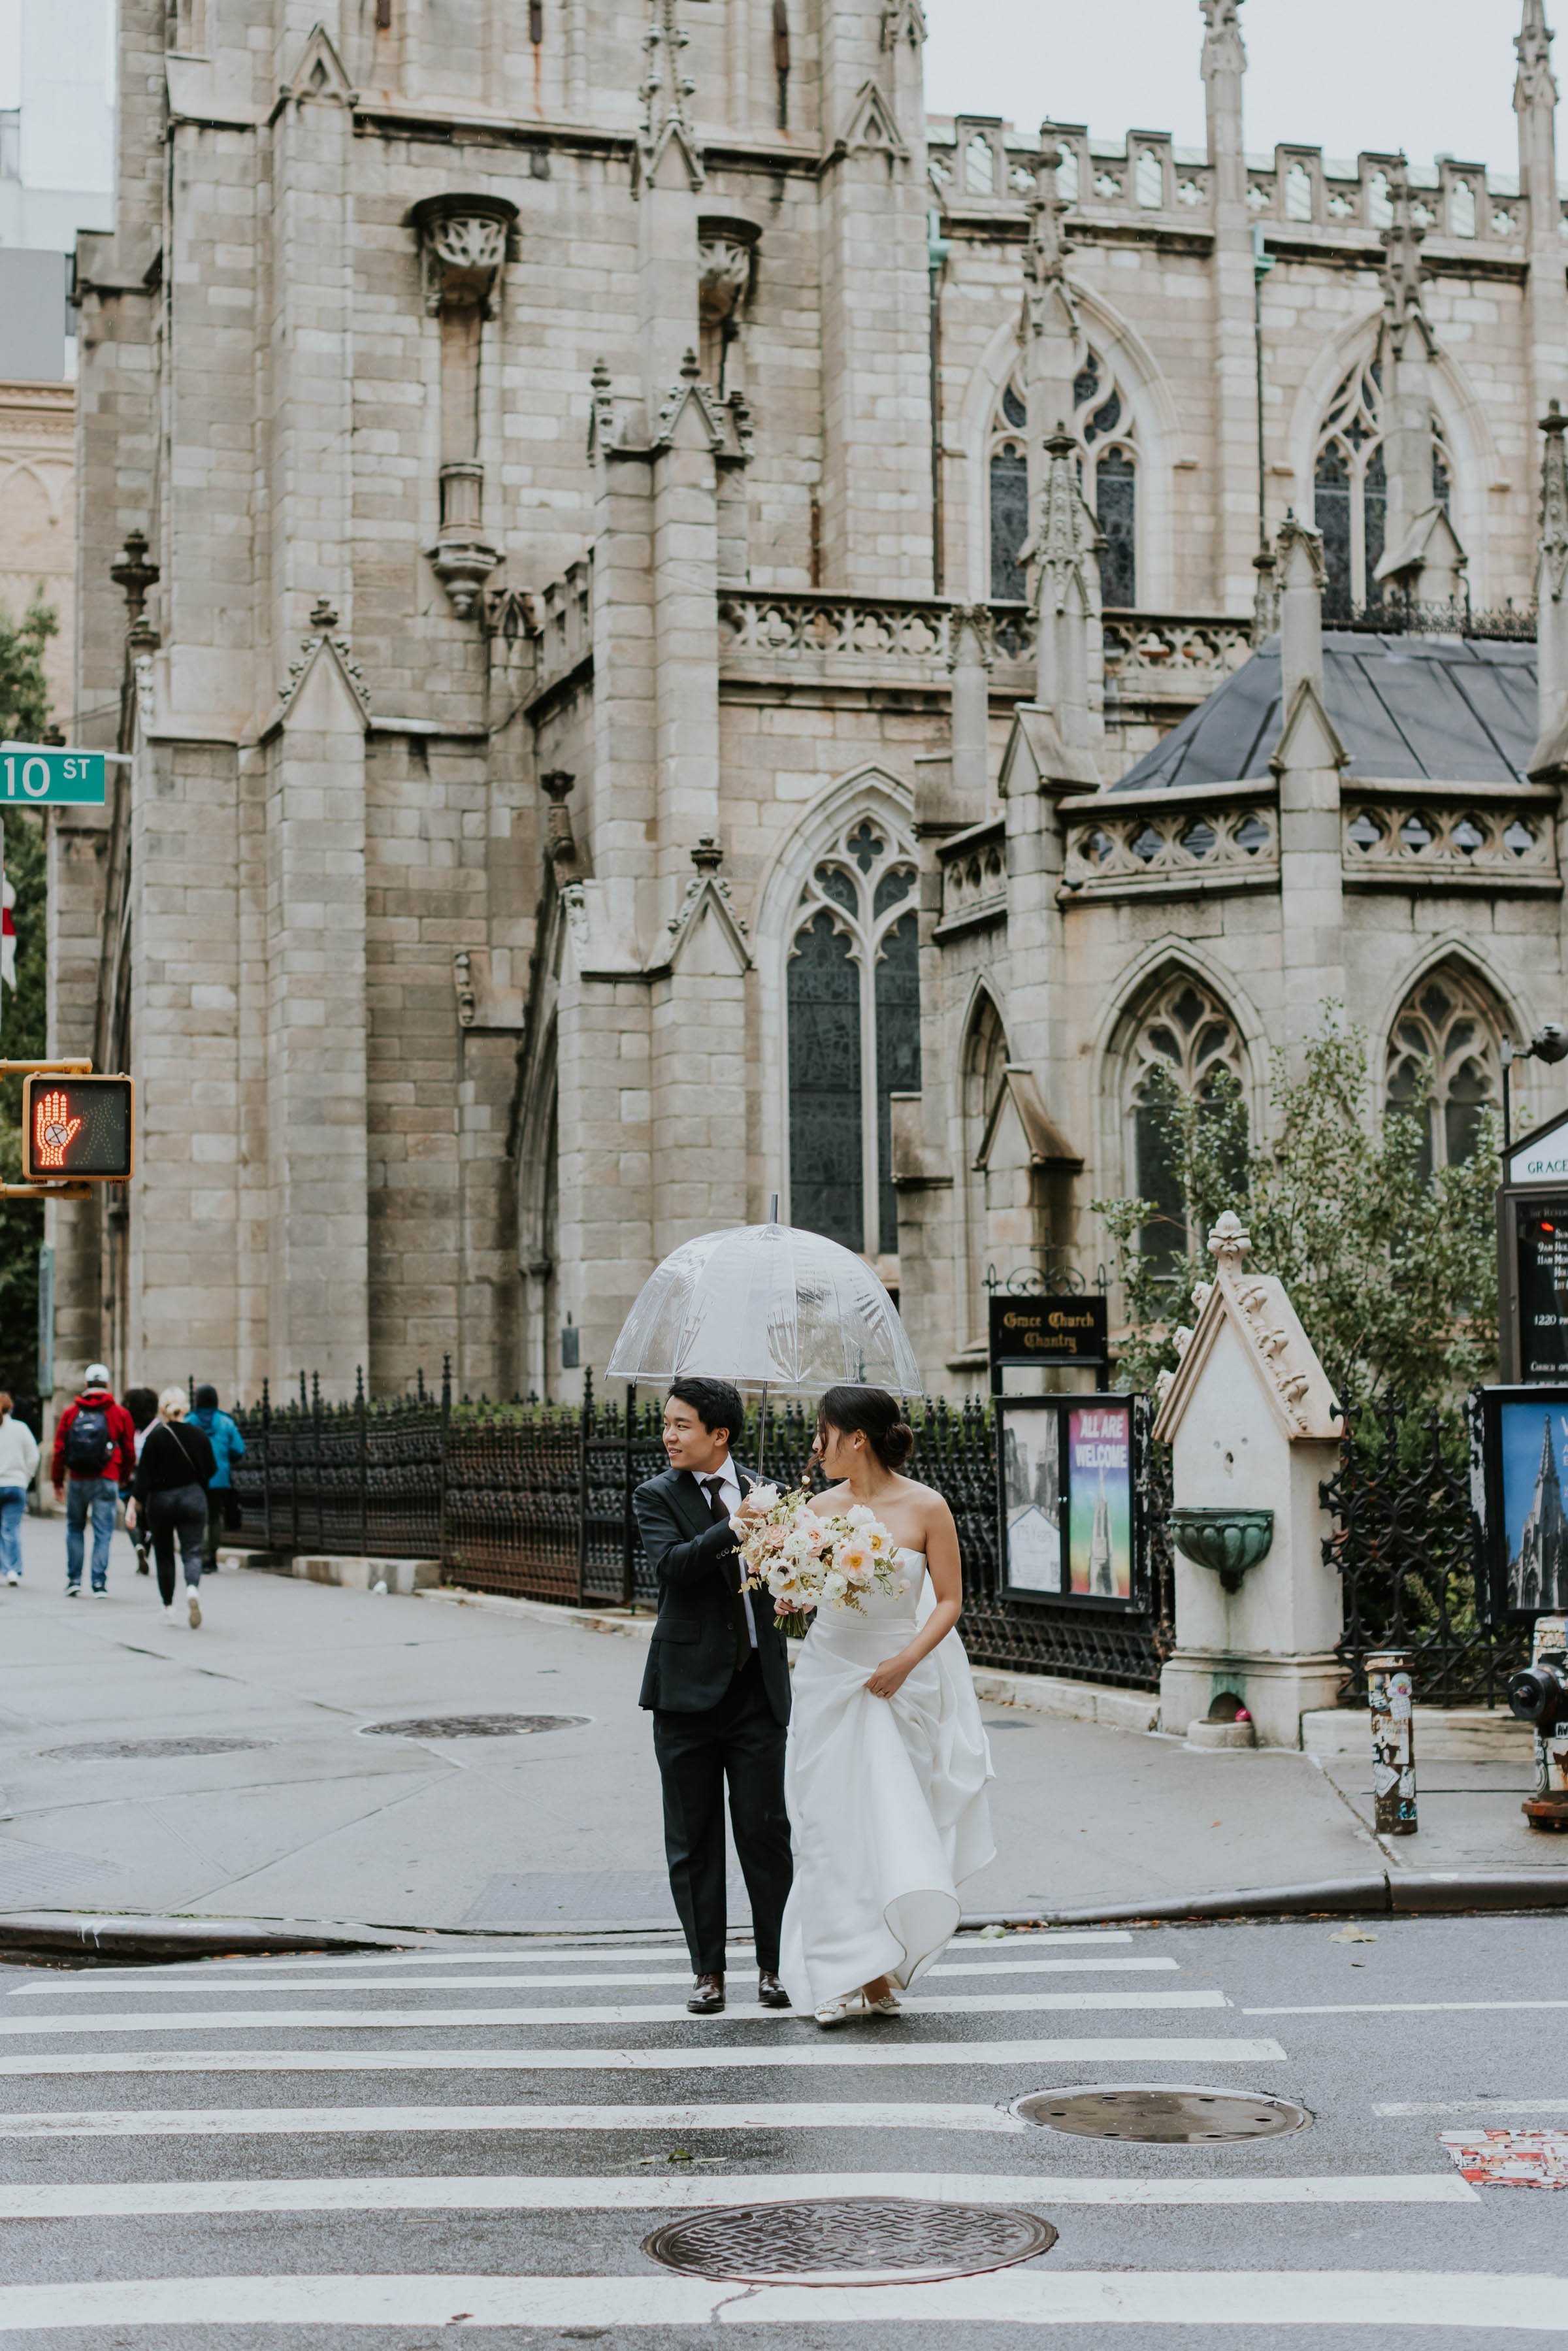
{"x": 1404, "y": 272}
{"x": 666, "y": 87}
{"x": 1224, "y": 51}
{"x": 1423, "y": 558}
{"x": 1053, "y": 344}
{"x": 1063, "y": 551}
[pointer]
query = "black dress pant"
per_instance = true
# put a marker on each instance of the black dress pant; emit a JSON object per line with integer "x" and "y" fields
{"x": 740, "y": 1741}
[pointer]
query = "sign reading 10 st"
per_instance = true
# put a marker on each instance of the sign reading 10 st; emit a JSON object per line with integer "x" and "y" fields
{"x": 44, "y": 775}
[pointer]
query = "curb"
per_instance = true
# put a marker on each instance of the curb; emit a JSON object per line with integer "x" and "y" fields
{"x": 82, "y": 1934}
{"x": 1427, "y": 1892}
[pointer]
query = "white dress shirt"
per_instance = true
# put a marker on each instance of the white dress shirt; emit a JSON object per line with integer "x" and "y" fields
{"x": 729, "y": 1495}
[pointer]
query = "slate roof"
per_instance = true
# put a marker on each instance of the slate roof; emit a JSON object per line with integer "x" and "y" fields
{"x": 1447, "y": 709}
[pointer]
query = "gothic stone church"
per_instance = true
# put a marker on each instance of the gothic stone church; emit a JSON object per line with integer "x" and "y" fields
{"x": 685, "y": 631}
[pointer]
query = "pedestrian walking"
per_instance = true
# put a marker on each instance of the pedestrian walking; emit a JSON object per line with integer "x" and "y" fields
{"x": 18, "y": 1467}
{"x": 142, "y": 1403}
{"x": 228, "y": 1446}
{"x": 95, "y": 1452}
{"x": 169, "y": 1495}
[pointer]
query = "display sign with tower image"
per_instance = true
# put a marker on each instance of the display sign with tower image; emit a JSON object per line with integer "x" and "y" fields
{"x": 1519, "y": 1445}
{"x": 1067, "y": 1470}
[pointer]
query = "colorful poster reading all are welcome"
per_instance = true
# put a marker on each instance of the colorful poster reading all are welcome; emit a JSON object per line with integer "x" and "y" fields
{"x": 1100, "y": 1500}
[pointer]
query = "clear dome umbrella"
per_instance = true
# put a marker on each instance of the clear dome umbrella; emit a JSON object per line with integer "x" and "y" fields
{"x": 769, "y": 1307}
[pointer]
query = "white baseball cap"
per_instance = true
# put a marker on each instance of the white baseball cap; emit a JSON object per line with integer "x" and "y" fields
{"x": 95, "y": 1376}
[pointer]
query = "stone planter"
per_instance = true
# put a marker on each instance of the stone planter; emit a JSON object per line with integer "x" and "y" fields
{"x": 1228, "y": 1540}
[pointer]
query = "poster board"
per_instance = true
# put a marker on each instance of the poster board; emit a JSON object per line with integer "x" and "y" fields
{"x": 1068, "y": 1496}
{"x": 1518, "y": 1458}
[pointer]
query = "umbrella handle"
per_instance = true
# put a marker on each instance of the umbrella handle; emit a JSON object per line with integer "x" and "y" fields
{"x": 762, "y": 1437}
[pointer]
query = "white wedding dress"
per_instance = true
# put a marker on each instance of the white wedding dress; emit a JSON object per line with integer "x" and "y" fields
{"x": 886, "y": 1797}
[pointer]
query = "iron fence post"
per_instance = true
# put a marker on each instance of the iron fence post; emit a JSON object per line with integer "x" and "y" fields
{"x": 627, "y": 1535}
{"x": 364, "y": 1463}
{"x": 445, "y": 1446}
{"x": 584, "y": 1429}
{"x": 267, "y": 1463}
{"x": 1389, "y": 1698}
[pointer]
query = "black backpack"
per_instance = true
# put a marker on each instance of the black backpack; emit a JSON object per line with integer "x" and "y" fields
{"x": 88, "y": 1441}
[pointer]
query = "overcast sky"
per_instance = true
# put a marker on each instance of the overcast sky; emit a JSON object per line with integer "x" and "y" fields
{"x": 1433, "y": 77}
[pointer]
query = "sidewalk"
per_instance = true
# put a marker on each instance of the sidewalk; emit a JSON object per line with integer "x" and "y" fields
{"x": 310, "y": 1815}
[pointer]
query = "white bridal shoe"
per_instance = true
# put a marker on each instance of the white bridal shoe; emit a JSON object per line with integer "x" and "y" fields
{"x": 888, "y": 2005}
{"x": 855, "y": 2003}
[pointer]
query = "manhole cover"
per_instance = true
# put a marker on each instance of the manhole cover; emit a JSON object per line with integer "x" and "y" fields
{"x": 1166, "y": 2114}
{"x": 857, "y": 2240}
{"x": 471, "y": 1726}
{"x": 93, "y": 1750}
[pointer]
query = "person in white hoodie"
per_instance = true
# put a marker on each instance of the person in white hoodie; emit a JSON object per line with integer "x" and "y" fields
{"x": 18, "y": 1467}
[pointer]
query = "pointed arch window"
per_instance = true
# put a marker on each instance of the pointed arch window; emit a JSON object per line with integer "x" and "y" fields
{"x": 853, "y": 1006}
{"x": 1350, "y": 489}
{"x": 1104, "y": 425}
{"x": 1183, "y": 1037}
{"x": 1444, "y": 1065}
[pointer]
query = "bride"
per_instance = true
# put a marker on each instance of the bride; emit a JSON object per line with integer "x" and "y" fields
{"x": 886, "y": 1765}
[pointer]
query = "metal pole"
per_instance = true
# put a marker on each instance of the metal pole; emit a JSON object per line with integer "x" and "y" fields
{"x": 585, "y": 1422}
{"x": 1389, "y": 1696}
{"x": 628, "y": 1524}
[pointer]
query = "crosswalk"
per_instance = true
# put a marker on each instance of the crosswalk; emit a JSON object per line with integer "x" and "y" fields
{"x": 429, "y": 2196}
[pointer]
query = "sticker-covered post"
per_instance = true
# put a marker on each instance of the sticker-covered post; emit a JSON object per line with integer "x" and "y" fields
{"x": 1390, "y": 1696}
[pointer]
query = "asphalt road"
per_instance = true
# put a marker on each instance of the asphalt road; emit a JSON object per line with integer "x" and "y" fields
{"x": 380, "y": 2152}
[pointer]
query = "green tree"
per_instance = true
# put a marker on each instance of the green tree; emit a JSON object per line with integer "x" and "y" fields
{"x": 24, "y": 1012}
{"x": 1392, "y": 1271}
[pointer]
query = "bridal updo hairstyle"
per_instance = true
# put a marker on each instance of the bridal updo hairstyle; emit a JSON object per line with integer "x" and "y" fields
{"x": 872, "y": 1414}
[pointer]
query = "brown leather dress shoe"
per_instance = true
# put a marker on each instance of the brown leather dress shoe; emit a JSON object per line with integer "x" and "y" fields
{"x": 771, "y": 1992}
{"x": 708, "y": 1996}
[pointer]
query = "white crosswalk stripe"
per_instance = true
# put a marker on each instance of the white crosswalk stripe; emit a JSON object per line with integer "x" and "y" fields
{"x": 972, "y": 1971}
{"x": 1265, "y": 2300}
{"x": 598, "y": 2175}
{"x": 391, "y": 2017}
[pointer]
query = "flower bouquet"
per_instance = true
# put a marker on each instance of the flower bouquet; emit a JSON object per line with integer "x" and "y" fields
{"x": 806, "y": 1561}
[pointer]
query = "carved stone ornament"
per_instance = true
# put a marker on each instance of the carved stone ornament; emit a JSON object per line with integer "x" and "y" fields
{"x": 903, "y": 20}
{"x": 464, "y": 243}
{"x": 1553, "y": 499}
{"x": 666, "y": 87}
{"x": 133, "y": 575}
{"x": 1535, "y": 84}
{"x": 1297, "y": 536}
{"x": 1068, "y": 533}
{"x": 462, "y": 980}
{"x": 1045, "y": 286}
{"x": 1223, "y": 48}
{"x": 1404, "y": 272}
{"x": 301, "y": 663}
{"x": 971, "y": 635}
{"x": 725, "y": 249}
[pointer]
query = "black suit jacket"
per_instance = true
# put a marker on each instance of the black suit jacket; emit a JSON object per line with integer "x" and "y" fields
{"x": 699, "y": 1641}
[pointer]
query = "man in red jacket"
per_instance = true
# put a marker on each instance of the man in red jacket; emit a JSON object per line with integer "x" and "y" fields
{"x": 95, "y": 1453}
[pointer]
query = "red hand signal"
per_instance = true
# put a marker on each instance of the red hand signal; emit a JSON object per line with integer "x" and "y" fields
{"x": 53, "y": 1129}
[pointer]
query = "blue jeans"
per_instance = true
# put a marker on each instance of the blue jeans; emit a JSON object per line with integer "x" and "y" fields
{"x": 13, "y": 1502}
{"x": 99, "y": 1496}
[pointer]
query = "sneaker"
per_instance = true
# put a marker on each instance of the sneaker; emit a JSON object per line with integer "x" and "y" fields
{"x": 142, "y": 1568}
{"x": 192, "y": 1608}
{"x": 15, "y": 1576}
{"x": 73, "y": 1592}
{"x": 100, "y": 1592}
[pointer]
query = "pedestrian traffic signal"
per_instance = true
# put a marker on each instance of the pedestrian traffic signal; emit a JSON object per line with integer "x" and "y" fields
{"x": 79, "y": 1130}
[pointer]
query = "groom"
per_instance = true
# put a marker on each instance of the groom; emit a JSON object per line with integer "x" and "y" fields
{"x": 717, "y": 1684}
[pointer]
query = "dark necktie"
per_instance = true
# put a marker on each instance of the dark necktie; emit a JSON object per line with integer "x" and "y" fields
{"x": 718, "y": 1512}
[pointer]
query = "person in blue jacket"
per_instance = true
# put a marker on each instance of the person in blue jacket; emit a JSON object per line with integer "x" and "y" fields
{"x": 228, "y": 1446}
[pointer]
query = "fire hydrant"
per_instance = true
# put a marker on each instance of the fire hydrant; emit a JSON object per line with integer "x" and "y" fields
{"x": 1539, "y": 1695}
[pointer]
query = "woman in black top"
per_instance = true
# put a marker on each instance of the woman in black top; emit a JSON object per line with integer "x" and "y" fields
{"x": 169, "y": 1491}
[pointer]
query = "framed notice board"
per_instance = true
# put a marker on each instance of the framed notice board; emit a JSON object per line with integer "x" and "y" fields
{"x": 1067, "y": 1481}
{"x": 1519, "y": 1456}
{"x": 1047, "y": 1329}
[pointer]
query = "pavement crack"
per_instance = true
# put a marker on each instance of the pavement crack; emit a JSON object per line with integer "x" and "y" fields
{"x": 343, "y": 1828}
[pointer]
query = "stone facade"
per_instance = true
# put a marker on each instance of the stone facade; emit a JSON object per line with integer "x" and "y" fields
{"x": 37, "y": 542}
{"x": 659, "y": 563}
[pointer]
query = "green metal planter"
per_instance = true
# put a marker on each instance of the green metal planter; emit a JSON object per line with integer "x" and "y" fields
{"x": 1229, "y": 1541}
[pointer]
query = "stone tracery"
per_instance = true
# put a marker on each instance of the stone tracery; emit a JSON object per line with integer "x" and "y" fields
{"x": 1104, "y": 427}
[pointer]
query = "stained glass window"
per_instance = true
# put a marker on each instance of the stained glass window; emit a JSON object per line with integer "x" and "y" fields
{"x": 1351, "y": 489}
{"x": 1106, "y": 473}
{"x": 897, "y": 1053}
{"x": 1117, "y": 491}
{"x": 853, "y": 1006}
{"x": 1009, "y": 519}
{"x": 1186, "y": 1035}
{"x": 1444, "y": 1065}
{"x": 825, "y": 1175}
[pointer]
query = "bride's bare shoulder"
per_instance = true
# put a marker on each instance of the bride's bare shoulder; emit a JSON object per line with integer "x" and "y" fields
{"x": 831, "y": 1499}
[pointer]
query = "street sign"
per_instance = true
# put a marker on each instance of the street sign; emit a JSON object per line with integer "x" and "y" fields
{"x": 1047, "y": 1329}
{"x": 78, "y": 1130}
{"x": 45, "y": 775}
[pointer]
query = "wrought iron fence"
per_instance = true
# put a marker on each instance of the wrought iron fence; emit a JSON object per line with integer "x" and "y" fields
{"x": 1402, "y": 616}
{"x": 535, "y": 1500}
{"x": 1404, "y": 1545}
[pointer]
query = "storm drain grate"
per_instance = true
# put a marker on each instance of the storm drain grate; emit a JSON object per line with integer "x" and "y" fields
{"x": 1163, "y": 2114}
{"x": 93, "y": 1750}
{"x": 472, "y": 1726}
{"x": 858, "y": 2240}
